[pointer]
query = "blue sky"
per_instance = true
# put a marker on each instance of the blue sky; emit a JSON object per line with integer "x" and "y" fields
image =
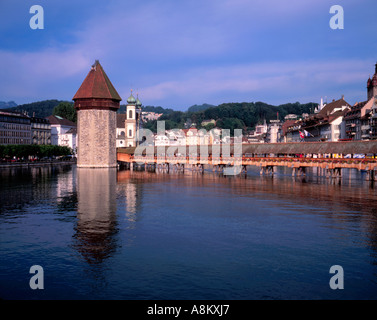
{"x": 179, "y": 53}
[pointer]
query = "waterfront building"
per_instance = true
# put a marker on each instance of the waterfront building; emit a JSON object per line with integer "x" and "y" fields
{"x": 69, "y": 139}
{"x": 353, "y": 119}
{"x": 365, "y": 125}
{"x": 96, "y": 103}
{"x": 15, "y": 128}
{"x": 63, "y": 132}
{"x": 40, "y": 130}
{"x": 273, "y": 134}
{"x": 369, "y": 120}
{"x": 161, "y": 140}
{"x": 259, "y": 135}
{"x": 176, "y": 137}
{"x": 326, "y": 124}
{"x": 373, "y": 120}
{"x": 261, "y": 129}
{"x": 286, "y": 135}
{"x": 214, "y": 136}
{"x": 189, "y": 137}
{"x": 292, "y": 131}
{"x": 266, "y": 133}
{"x": 195, "y": 137}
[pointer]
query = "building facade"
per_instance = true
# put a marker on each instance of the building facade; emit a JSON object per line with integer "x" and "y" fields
{"x": 59, "y": 130}
{"x": 274, "y": 132}
{"x": 121, "y": 130}
{"x": 373, "y": 120}
{"x": 69, "y": 139}
{"x": 40, "y": 130}
{"x": 15, "y": 128}
{"x": 326, "y": 124}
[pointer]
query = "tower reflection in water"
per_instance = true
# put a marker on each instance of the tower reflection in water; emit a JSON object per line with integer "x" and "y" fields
{"x": 96, "y": 214}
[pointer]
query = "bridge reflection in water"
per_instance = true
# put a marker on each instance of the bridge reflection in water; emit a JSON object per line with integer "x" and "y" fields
{"x": 352, "y": 200}
{"x": 121, "y": 234}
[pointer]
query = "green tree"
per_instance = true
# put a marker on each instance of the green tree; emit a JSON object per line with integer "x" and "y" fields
{"x": 65, "y": 110}
{"x": 209, "y": 126}
{"x": 231, "y": 124}
{"x": 19, "y": 151}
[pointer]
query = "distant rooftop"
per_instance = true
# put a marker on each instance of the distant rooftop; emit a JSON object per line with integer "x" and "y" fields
{"x": 57, "y": 120}
{"x": 333, "y": 106}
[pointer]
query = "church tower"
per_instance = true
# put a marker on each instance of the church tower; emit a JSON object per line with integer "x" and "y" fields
{"x": 372, "y": 85}
{"x": 96, "y": 103}
{"x": 132, "y": 120}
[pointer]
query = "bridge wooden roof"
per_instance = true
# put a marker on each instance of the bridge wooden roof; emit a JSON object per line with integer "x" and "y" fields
{"x": 343, "y": 147}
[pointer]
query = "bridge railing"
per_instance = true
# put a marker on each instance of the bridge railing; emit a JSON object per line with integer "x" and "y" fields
{"x": 248, "y": 160}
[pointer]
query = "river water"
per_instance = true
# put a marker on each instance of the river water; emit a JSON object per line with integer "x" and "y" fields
{"x": 108, "y": 234}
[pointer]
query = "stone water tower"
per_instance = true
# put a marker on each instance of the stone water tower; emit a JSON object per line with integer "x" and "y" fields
{"x": 96, "y": 103}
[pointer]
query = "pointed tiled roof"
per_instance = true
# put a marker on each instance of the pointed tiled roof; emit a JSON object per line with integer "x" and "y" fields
{"x": 329, "y": 108}
{"x": 97, "y": 85}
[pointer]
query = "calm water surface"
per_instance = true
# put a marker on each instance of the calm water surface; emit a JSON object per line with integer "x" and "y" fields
{"x": 107, "y": 234}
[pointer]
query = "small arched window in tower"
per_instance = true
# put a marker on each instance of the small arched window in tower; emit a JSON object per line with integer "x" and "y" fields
{"x": 130, "y": 114}
{"x": 130, "y": 133}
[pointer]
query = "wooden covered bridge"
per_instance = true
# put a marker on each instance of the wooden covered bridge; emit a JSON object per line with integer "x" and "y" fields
{"x": 330, "y": 157}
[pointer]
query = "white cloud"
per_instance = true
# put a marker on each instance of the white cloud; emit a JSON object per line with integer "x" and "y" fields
{"x": 288, "y": 80}
{"x": 30, "y": 74}
{"x": 170, "y": 49}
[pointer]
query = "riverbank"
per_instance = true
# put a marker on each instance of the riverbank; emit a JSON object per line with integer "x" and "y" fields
{"x": 36, "y": 164}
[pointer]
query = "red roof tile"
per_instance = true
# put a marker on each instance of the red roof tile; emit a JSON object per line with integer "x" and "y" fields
{"x": 97, "y": 85}
{"x": 329, "y": 108}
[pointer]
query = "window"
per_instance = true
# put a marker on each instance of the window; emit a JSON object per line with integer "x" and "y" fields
{"x": 130, "y": 114}
{"x": 130, "y": 133}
